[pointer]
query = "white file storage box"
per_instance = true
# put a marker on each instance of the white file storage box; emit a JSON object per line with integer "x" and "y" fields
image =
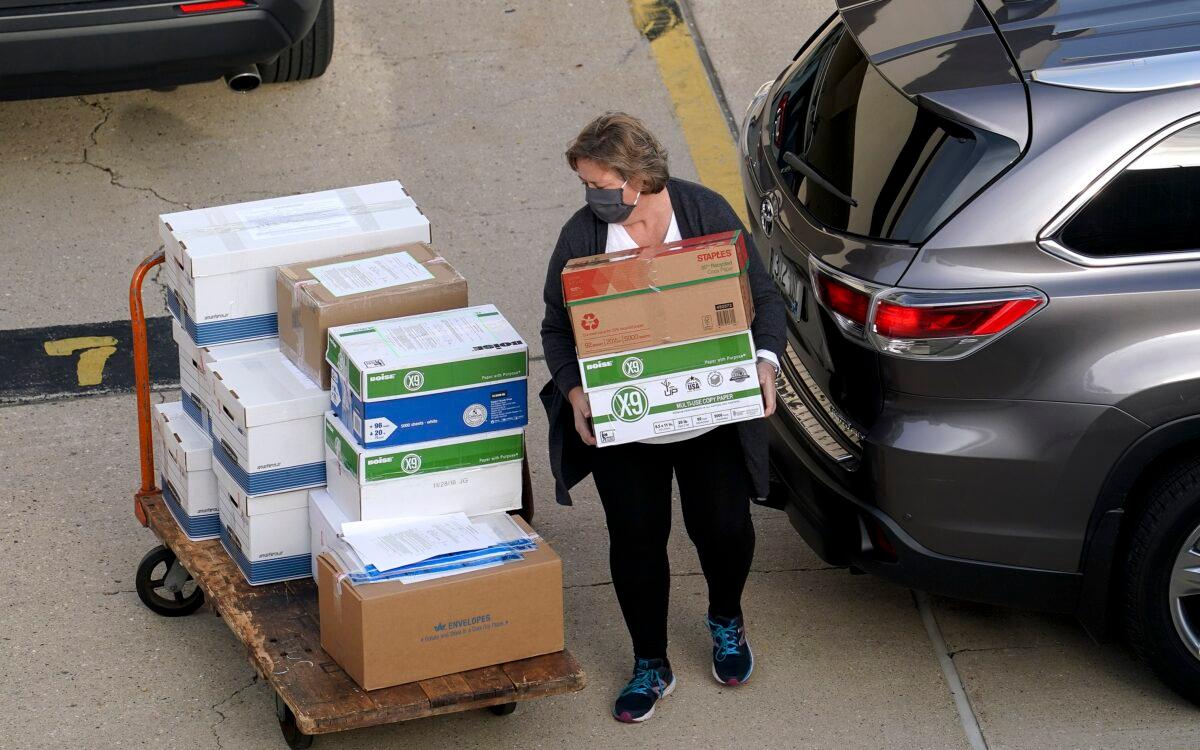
{"x": 266, "y": 535}
{"x": 192, "y": 382}
{"x": 473, "y": 475}
{"x": 223, "y": 259}
{"x": 325, "y": 521}
{"x": 188, "y": 483}
{"x": 267, "y": 424}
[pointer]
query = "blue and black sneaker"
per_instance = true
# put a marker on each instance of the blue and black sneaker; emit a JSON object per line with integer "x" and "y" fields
{"x": 652, "y": 680}
{"x": 732, "y": 659}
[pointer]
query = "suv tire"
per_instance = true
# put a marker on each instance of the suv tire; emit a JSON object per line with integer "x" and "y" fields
{"x": 1169, "y": 520}
{"x": 307, "y": 58}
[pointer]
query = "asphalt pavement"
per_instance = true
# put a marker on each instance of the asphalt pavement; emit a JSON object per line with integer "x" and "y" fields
{"x": 471, "y": 106}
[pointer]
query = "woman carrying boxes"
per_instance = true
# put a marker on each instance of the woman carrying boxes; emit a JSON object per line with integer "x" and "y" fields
{"x": 663, "y": 362}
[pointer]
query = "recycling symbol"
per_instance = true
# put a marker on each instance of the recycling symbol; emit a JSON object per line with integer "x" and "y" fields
{"x": 590, "y": 322}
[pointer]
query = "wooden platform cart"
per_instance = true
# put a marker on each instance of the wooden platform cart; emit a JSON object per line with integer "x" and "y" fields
{"x": 278, "y": 623}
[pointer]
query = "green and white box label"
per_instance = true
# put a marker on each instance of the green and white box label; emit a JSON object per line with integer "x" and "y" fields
{"x": 677, "y": 388}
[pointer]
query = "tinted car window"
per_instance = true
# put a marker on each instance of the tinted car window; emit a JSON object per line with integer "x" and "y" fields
{"x": 896, "y": 169}
{"x": 1152, "y": 206}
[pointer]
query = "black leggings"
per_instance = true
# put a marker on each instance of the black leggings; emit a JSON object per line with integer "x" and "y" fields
{"x": 634, "y": 481}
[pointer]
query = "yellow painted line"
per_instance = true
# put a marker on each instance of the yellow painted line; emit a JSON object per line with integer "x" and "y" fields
{"x": 704, "y": 128}
{"x": 94, "y": 352}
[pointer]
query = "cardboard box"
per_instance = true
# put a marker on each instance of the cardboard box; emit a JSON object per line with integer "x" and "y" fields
{"x": 473, "y": 475}
{"x": 267, "y": 422}
{"x": 657, "y": 295}
{"x": 189, "y": 486}
{"x": 428, "y": 377}
{"x": 390, "y": 633}
{"x": 359, "y": 288}
{"x": 266, "y": 535}
{"x": 223, "y": 259}
{"x": 673, "y": 388}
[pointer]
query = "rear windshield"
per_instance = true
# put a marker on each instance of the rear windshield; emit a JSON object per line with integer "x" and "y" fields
{"x": 872, "y": 162}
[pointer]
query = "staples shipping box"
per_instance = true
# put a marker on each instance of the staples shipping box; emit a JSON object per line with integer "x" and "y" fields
{"x": 267, "y": 423}
{"x": 428, "y": 377}
{"x": 473, "y": 475}
{"x": 266, "y": 535}
{"x": 223, "y": 259}
{"x": 656, "y": 295}
{"x": 674, "y": 388}
{"x": 359, "y": 288}
{"x": 389, "y": 633}
{"x": 188, "y": 483}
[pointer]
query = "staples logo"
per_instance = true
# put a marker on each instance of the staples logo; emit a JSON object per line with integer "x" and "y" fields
{"x": 718, "y": 255}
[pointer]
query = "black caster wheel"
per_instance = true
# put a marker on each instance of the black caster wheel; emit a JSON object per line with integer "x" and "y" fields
{"x": 287, "y": 724}
{"x": 164, "y": 586}
{"x": 503, "y": 709}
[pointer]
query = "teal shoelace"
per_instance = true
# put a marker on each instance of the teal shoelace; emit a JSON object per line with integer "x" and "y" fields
{"x": 646, "y": 681}
{"x": 726, "y": 639}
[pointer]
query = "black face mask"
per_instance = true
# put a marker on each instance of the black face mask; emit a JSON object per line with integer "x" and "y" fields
{"x": 609, "y": 203}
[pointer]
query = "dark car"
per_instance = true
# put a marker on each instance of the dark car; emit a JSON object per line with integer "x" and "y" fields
{"x": 985, "y": 218}
{"x": 65, "y": 47}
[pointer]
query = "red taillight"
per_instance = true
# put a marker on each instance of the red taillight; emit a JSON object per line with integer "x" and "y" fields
{"x": 212, "y": 5}
{"x": 844, "y": 299}
{"x": 897, "y": 321}
{"x": 781, "y": 117}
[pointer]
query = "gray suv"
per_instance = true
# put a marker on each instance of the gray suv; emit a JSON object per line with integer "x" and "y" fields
{"x": 985, "y": 218}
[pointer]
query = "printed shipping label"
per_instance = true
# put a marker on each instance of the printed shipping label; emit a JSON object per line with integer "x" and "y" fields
{"x": 437, "y": 334}
{"x": 276, "y": 222}
{"x": 370, "y": 274}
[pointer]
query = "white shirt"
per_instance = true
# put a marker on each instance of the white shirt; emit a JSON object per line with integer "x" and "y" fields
{"x": 619, "y": 239}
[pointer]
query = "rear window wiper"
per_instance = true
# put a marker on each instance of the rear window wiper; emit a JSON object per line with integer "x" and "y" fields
{"x": 804, "y": 168}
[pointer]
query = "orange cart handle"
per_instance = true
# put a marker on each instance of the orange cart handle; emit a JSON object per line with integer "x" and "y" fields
{"x": 141, "y": 380}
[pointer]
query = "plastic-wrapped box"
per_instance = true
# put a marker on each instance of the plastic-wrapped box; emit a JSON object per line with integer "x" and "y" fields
{"x": 378, "y": 284}
{"x": 223, "y": 259}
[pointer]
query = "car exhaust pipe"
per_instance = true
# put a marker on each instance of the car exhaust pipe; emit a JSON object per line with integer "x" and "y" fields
{"x": 243, "y": 79}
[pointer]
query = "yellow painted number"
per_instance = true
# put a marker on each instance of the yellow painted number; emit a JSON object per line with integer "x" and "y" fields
{"x": 94, "y": 351}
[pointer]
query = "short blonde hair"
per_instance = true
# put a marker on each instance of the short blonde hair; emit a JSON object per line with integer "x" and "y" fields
{"x": 622, "y": 143}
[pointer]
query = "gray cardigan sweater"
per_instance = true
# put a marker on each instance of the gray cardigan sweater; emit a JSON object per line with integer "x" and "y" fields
{"x": 698, "y": 211}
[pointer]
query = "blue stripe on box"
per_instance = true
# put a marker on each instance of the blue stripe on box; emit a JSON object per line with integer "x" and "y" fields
{"x": 223, "y": 331}
{"x": 267, "y": 571}
{"x": 438, "y": 415}
{"x": 196, "y": 528}
{"x": 272, "y": 480}
{"x": 192, "y": 408}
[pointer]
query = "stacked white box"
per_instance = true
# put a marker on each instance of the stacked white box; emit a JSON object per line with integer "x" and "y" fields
{"x": 267, "y": 423}
{"x": 188, "y": 482}
{"x": 222, "y": 260}
{"x": 268, "y": 449}
{"x": 325, "y": 521}
{"x": 266, "y": 535}
{"x": 194, "y": 383}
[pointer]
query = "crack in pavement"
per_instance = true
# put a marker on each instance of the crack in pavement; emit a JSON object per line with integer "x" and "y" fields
{"x": 106, "y": 113}
{"x": 216, "y": 708}
{"x": 985, "y": 649}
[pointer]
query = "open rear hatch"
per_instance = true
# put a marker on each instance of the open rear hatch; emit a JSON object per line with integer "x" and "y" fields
{"x": 889, "y": 121}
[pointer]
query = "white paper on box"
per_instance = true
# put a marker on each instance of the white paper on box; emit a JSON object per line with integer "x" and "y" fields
{"x": 393, "y": 543}
{"x": 369, "y": 274}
